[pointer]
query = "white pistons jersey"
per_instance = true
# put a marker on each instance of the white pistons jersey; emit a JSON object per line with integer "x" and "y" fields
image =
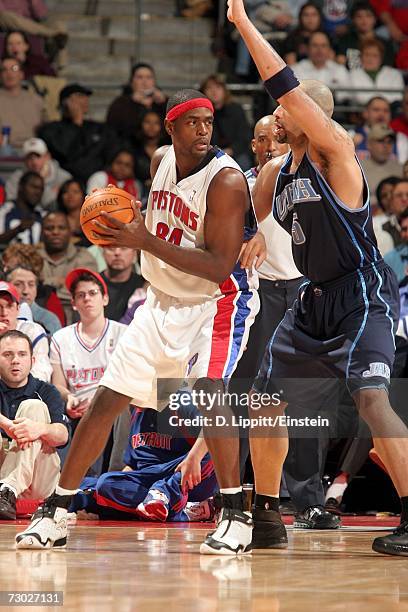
{"x": 175, "y": 212}
{"x": 83, "y": 364}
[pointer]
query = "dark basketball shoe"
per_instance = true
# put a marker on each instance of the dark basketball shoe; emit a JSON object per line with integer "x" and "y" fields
{"x": 269, "y": 530}
{"x": 7, "y": 504}
{"x": 316, "y": 517}
{"x": 232, "y": 536}
{"x": 48, "y": 527}
{"x": 394, "y": 544}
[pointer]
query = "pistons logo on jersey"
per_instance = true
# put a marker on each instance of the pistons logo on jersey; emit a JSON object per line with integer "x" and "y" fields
{"x": 176, "y": 209}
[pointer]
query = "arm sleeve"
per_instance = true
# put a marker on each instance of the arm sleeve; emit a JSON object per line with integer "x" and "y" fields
{"x": 56, "y": 407}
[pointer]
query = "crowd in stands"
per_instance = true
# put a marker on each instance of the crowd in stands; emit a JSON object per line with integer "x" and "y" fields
{"x": 57, "y": 288}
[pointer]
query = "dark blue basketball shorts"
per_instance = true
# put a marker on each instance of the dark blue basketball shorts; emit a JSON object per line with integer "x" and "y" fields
{"x": 343, "y": 329}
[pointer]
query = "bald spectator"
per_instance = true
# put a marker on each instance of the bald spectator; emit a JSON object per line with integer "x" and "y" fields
{"x": 37, "y": 158}
{"x": 21, "y": 110}
{"x": 80, "y": 145}
{"x": 320, "y": 65}
{"x": 9, "y": 306}
{"x": 374, "y": 75}
{"x": 61, "y": 256}
{"x": 380, "y": 164}
{"x": 20, "y": 220}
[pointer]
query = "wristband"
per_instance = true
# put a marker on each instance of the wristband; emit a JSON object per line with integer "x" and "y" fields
{"x": 281, "y": 83}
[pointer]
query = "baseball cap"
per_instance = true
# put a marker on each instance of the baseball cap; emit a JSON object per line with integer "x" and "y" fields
{"x": 11, "y": 290}
{"x": 73, "y": 88}
{"x": 380, "y": 131}
{"x": 34, "y": 145}
{"x": 74, "y": 274}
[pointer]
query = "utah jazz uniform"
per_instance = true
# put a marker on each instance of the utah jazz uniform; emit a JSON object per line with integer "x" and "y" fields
{"x": 344, "y": 320}
{"x": 188, "y": 325}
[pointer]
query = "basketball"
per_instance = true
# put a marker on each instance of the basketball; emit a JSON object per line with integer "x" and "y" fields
{"x": 112, "y": 200}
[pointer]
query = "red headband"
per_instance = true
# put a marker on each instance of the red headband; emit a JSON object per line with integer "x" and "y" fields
{"x": 182, "y": 108}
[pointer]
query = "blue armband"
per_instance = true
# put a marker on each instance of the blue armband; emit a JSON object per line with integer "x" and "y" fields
{"x": 281, "y": 83}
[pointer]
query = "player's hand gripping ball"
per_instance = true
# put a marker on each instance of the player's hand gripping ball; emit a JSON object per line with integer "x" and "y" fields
{"x": 111, "y": 199}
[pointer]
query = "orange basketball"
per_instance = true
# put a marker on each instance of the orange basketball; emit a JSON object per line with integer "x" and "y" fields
{"x": 111, "y": 199}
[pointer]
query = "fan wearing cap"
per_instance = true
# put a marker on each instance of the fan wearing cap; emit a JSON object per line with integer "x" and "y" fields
{"x": 80, "y": 145}
{"x": 80, "y": 352}
{"x": 380, "y": 163}
{"x": 9, "y": 307}
{"x": 37, "y": 158}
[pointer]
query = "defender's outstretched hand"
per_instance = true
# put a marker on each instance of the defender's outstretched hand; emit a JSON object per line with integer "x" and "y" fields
{"x": 236, "y": 10}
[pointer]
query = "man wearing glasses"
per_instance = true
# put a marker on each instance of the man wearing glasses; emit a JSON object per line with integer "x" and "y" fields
{"x": 80, "y": 352}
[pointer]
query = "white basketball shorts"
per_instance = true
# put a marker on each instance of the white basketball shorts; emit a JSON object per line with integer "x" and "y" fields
{"x": 175, "y": 339}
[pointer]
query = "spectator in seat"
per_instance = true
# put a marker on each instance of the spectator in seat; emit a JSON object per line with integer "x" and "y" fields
{"x": 321, "y": 67}
{"x": 38, "y": 159}
{"x": 21, "y": 110}
{"x": 227, "y": 116}
{"x": 375, "y": 76}
{"x": 141, "y": 94}
{"x": 70, "y": 198}
{"x": 81, "y": 351}
{"x": 363, "y": 19}
{"x": 397, "y": 259}
{"x": 121, "y": 279}
{"x": 377, "y": 110}
{"x": 32, "y": 417}
{"x": 151, "y": 136}
{"x": 394, "y": 15}
{"x": 380, "y": 163}
{"x": 20, "y": 220}
{"x": 2, "y": 192}
{"x": 295, "y": 46}
{"x": 81, "y": 146}
{"x": 27, "y": 256}
{"x": 9, "y": 306}
{"x": 16, "y": 45}
{"x": 61, "y": 256}
{"x": 384, "y": 198}
{"x": 398, "y": 205}
{"x": 400, "y": 127}
{"x": 120, "y": 173}
{"x": 26, "y": 283}
{"x": 31, "y": 17}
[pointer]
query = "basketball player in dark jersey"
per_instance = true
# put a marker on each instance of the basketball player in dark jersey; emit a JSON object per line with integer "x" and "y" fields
{"x": 344, "y": 321}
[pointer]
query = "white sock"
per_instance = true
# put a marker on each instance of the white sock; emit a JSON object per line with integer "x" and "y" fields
{"x": 4, "y": 485}
{"x": 231, "y": 491}
{"x": 336, "y": 491}
{"x": 60, "y": 491}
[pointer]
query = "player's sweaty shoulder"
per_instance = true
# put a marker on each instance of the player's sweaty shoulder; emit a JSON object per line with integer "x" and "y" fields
{"x": 156, "y": 159}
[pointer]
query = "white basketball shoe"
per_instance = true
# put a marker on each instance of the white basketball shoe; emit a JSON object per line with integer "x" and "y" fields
{"x": 48, "y": 527}
{"x": 233, "y": 535}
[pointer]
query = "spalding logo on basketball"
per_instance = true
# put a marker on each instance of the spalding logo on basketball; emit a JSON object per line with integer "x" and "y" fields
{"x": 114, "y": 201}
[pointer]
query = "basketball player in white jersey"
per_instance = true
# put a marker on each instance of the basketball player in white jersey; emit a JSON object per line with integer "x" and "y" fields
{"x": 195, "y": 320}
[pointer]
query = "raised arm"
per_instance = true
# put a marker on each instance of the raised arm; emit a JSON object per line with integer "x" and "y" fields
{"x": 324, "y": 134}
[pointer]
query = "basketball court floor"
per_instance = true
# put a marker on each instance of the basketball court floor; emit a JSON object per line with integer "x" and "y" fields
{"x": 157, "y": 568}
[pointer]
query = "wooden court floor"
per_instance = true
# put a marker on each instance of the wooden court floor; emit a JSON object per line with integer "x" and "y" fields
{"x": 140, "y": 566}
